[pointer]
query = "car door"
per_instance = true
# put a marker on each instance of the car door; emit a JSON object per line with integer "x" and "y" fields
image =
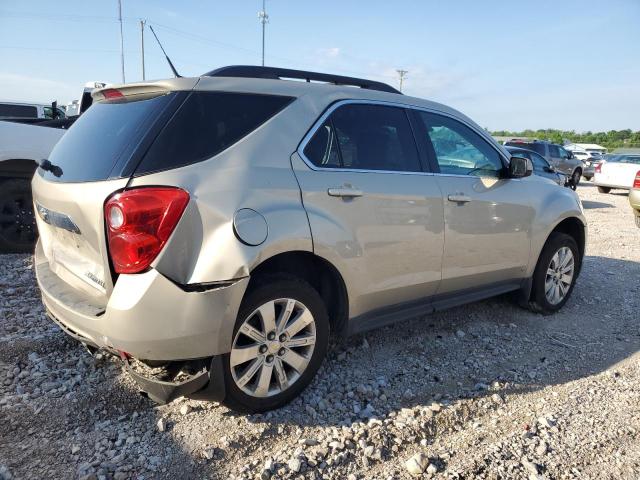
{"x": 487, "y": 216}
{"x": 373, "y": 210}
{"x": 555, "y": 159}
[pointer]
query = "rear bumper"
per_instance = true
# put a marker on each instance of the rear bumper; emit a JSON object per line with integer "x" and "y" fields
{"x": 147, "y": 316}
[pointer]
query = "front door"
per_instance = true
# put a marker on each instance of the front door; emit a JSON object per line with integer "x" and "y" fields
{"x": 487, "y": 217}
{"x": 374, "y": 212}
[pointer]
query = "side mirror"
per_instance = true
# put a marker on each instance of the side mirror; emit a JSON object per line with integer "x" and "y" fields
{"x": 520, "y": 167}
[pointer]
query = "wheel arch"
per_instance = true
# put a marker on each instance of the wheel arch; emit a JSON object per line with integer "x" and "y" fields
{"x": 573, "y": 227}
{"x": 319, "y": 273}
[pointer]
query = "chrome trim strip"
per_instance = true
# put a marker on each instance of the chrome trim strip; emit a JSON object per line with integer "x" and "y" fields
{"x": 57, "y": 219}
{"x": 318, "y": 123}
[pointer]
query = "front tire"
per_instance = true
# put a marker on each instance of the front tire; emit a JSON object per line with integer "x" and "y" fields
{"x": 280, "y": 340}
{"x": 555, "y": 274}
{"x": 17, "y": 221}
{"x": 604, "y": 189}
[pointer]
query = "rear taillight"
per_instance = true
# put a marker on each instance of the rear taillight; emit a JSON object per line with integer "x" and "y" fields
{"x": 139, "y": 223}
{"x": 636, "y": 181}
{"x": 598, "y": 168}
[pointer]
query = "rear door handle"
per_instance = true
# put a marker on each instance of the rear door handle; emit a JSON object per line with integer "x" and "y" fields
{"x": 459, "y": 198}
{"x": 345, "y": 192}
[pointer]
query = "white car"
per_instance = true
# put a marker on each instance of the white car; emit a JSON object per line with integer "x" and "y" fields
{"x": 616, "y": 171}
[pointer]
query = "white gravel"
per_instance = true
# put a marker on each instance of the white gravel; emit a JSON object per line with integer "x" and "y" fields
{"x": 487, "y": 390}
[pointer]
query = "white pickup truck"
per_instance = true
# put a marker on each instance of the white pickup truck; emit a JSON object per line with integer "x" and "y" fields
{"x": 24, "y": 142}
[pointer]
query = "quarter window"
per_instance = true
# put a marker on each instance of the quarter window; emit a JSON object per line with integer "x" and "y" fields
{"x": 458, "y": 149}
{"x": 365, "y": 137}
{"x": 206, "y": 124}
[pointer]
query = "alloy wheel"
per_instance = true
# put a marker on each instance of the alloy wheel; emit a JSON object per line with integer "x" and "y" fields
{"x": 273, "y": 347}
{"x": 559, "y": 275}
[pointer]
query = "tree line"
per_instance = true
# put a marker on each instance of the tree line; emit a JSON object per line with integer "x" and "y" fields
{"x": 611, "y": 140}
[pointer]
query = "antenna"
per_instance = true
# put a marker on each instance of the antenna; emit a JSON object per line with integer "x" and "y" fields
{"x": 173, "y": 69}
{"x": 402, "y": 74}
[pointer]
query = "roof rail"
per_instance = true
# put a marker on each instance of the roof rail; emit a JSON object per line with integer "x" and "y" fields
{"x": 273, "y": 73}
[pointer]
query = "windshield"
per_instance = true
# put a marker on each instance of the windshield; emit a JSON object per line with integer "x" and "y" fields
{"x": 105, "y": 134}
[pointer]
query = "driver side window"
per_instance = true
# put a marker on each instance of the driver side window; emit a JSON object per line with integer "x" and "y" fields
{"x": 458, "y": 149}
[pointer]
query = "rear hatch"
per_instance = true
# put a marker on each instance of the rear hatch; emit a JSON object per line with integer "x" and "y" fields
{"x": 95, "y": 158}
{"x": 131, "y": 131}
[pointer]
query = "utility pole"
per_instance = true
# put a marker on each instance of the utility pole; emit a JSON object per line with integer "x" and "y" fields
{"x": 264, "y": 19}
{"x": 121, "y": 39}
{"x": 402, "y": 74}
{"x": 142, "y": 24}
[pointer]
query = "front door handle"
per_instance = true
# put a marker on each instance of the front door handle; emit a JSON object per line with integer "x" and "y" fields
{"x": 345, "y": 192}
{"x": 459, "y": 198}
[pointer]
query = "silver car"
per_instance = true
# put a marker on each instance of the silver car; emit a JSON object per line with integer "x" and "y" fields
{"x": 212, "y": 232}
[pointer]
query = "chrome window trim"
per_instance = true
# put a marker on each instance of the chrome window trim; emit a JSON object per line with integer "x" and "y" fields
{"x": 334, "y": 106}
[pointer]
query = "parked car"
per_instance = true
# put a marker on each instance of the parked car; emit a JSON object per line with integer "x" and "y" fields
{"x": 21, "y": 148}
{"x": 196, "y": 242}
{"x": 30, "y": 110}
{"x": 616, "y": 172}
{"x": 634, "y": 197}
{"x": 540, "y": 166}
{"x": 559, "y": 158}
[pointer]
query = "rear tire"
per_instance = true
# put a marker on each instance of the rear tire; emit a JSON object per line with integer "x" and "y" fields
{"x": 551, "y": 275}
{"x": 291, "y": 299}
{"x": 604, "y": 189}
{"x": 17, "y": 221}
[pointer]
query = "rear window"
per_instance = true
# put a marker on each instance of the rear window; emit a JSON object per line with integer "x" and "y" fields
{"x": 206, "y": 124}
{"x": 536, "y": 147}
{"x": 104, "y": 135}
{"x": 18, "y": 111}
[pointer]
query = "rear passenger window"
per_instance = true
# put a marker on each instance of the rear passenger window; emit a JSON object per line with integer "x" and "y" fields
{"x": 206, "y": 124}
{"x": 365, "y": 137}
{"x": 554, "y": 151}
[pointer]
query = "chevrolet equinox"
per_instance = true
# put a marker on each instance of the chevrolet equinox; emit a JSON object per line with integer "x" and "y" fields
{"x": 212, "y": 231}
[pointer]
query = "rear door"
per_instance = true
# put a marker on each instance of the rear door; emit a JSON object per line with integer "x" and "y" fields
{"x": 487, "y": 217}
{"x": 555, "y": 159}
{"x": 372, "y": 208}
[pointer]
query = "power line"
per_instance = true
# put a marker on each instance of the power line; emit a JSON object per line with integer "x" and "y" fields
{"x": 177, "y": 32}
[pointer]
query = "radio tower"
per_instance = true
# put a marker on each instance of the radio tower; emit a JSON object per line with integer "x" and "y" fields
{"x": 264, "y": 19}
{"x": 402, "y": 74}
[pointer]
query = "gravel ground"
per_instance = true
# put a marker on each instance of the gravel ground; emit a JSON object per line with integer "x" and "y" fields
{"x": 487, "y": 390}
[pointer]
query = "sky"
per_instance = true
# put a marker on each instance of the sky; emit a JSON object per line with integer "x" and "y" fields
{"x": 509, "y": 65}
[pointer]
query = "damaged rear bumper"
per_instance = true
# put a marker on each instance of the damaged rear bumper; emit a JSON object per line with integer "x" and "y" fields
{"x": 204, "y": 382}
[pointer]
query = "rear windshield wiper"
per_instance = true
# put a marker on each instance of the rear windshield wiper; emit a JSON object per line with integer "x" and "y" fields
{"x": 47, "y": 166}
